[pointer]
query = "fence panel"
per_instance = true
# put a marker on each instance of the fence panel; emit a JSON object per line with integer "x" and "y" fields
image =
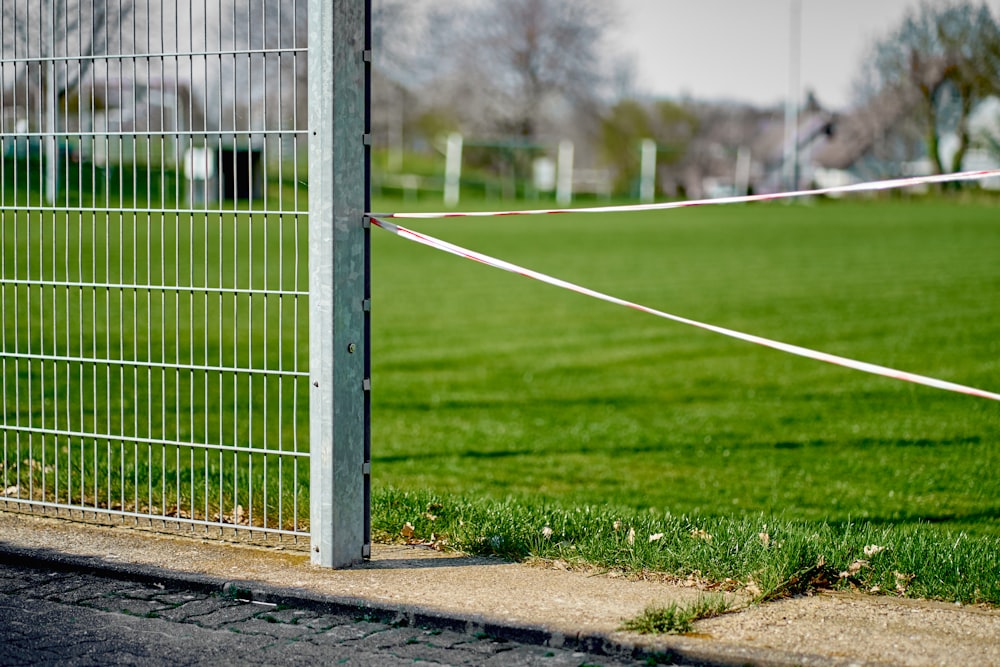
{"x": 153, "y": 278}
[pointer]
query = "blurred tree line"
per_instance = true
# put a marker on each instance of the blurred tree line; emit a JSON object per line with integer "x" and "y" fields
{"x": 944, "y": 60}
{"x": 516, "y": 77}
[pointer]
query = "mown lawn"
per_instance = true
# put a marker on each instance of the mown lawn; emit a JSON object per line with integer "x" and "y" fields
{"x": 514, "y": 418}
{"x": 492, "y": 386}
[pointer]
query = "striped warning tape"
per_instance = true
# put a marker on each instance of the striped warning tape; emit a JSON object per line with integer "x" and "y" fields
{"x": 870, "y": 186}
{"x": 874, "y": 369}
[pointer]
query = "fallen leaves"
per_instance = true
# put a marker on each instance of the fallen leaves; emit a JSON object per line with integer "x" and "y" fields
{"x": 629, "y": 536}
{"x": 410, "y": 535}
{"x": 700, "y": 534}
{"x": 903, "y": 581}
{"x": 854, "y": 568}
{"x": 872, "y": 549}
{"x": 237, "y": 518}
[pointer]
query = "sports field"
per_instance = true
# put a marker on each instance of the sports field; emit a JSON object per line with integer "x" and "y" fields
{"x": 515, "y": 418}
{"x": 489, "y": 385}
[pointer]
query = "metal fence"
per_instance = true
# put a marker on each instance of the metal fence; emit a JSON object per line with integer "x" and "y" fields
{"x": 154, "y": 278}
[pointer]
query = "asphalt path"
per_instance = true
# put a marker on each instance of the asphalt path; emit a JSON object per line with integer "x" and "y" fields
{"x": 79, "y": 618}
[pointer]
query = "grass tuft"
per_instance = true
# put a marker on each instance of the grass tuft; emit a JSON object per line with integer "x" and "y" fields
{"x": 675, "y": 619}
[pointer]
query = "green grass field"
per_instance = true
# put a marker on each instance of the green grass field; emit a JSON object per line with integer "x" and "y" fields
{"x": 492, "y": 385}
{"x": 502, "y": 406}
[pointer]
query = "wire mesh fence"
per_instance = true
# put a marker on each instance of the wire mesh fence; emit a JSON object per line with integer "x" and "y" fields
{"x": 153, "y": 278}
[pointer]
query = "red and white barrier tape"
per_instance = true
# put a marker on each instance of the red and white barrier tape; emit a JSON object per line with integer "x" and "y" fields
{"x": 874, "y": 369}
{"x": 871, "y": 186}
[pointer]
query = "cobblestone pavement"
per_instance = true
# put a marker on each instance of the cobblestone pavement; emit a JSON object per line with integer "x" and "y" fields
{"x": 72, "y": 618}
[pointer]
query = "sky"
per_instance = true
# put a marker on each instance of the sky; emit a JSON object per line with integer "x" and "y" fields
{"x": 739, "y": 49}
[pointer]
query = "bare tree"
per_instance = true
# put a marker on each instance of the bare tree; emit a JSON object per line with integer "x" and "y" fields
{"x": 947, "y": 58}
{"x": 523, "y": 58}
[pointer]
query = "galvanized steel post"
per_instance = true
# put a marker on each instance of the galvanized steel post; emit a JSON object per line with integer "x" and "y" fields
{"x": 339, "y": 98}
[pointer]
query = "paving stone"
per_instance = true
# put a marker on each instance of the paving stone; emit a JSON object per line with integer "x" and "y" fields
{"x": 85, "y": 620}
{"x": 261, "y": 626}
{"x": 292, "y": 616}
{"x": 444, "y": 638}
{"x": 179, "y": 598}
{"x": 43, "y": 587}
{"x": 326, "y": 622}
{"x": 190, "y": 611}
{"x": 126, "y": 605}
{"x": 225, "y": 615}
{"x": 79, "y": 594}
{"x": 352, "y": 631}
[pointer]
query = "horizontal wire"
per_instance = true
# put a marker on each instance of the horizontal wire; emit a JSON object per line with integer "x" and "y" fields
{"x": 154, "y": 517}
{"x": 156, "y": 365}
{"x": 130, "y": 439}
{"x": 179, "y": 211}
{"x": 152, "y": 288}
{"x": 68, "y": 59}
{"x": 142, "y": 134}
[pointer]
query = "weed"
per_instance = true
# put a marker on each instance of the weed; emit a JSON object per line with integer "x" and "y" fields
{"x": 675, "y": 619}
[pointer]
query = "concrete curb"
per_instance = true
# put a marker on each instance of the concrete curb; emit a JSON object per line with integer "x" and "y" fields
{"x": 662, "y": 650}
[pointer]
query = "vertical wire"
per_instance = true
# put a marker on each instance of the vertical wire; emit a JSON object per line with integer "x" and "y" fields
{"x": 123, "y": 295}
{"x": 296, "y": 381}
{"x": 79, "y": 274}
{"x": 119, "y": 160}
{"x": 191, "y": 269}
{"x": 3, "y": 269}
{"x": 67, "y": 217}
{"x": 177, "y": 244}
{"x": 149, "y": 273}
{"x": 264, "y": 244}
{"x": 222, "y": 254}
{"x": 222, "y": 297}
{"x": 29, "y": 418}
{"x": 68, "y": 214}
{"x": 54, "y": 139}
{"x": 3, "y": 262}
{"x": 92, "y": 112}
{"x": 136, "y": 294}
{"x": 17, "y": 292}
{"x": 52, "y": 290}
{"x": 236, "y": 279}
{"x": 17, "y": 273}
{"x": 279, "y": 122}
{"x": 80, "y": 189}
{"x": 79, "y": 213}
{"x": 250, "y": 234}
{"x": 123, "y": 298}
{"x": 68, "y": 319}
{"x": 43, "y": 174}
{"x": 162, "y": 284}
{"x": 204, "y": 121}
{"x": 51, "y": 115}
